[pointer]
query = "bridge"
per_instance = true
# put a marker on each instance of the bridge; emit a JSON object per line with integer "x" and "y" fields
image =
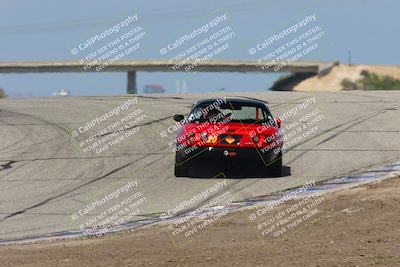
{"x": 131, "y": 67}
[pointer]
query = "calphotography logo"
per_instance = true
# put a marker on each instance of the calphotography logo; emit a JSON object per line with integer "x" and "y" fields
{"x": 211, "y": 206}
{"x": 105, "y": 48}
{"x": 282, "y": 49}
{"x": 110, "y": 128}
{"x": 107, "y": 32}
{"x": 110, "y": 212}
{"x": 195, "y": 48}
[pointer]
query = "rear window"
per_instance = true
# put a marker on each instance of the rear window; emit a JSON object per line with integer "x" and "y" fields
{"x": 230, "y": 112}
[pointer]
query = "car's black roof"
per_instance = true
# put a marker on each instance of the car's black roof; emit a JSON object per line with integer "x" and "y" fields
{"x": 239, "y": 101}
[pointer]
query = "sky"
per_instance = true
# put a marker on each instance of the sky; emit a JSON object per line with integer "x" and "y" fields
{"x": 45, "y": 30}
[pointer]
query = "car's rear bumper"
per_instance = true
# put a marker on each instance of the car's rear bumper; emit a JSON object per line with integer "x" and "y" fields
{"x": 252, "y": 155}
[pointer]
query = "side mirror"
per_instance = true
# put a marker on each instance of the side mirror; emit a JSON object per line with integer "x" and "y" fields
{"x": 178, "y": 117}
{"x": 278, "y": 122}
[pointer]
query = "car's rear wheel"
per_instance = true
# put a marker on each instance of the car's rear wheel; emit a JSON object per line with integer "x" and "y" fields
{"x": 275, "y": 167}
{"x": 181, "y": 167}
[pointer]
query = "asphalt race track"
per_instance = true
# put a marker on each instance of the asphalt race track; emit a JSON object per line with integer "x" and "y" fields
{"x": 46, "y": 177}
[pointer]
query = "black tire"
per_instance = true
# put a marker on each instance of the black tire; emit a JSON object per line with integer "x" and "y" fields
{"x": 181, "y": 167}
{"x": 275, "y": 167}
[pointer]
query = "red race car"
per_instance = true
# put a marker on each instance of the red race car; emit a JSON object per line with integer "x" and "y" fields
{"x": 236, "y": 130}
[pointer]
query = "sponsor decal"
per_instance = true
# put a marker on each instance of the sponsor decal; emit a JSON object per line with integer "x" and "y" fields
{"x": 229, "y": 139}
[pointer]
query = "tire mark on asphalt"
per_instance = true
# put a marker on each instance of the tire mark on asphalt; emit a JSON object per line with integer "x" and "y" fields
{"x": 41, "y": 120}
{"x": 28, "y": 135}
{"x": 153, "y": 162}
{"x": 369, "y": 96}
{"x": 116, "y": 155}
{"x": 139, "y": 125}
{"x": 34, "y": 143}
{"x": 41, "y": 203}
{"x": 7, "y": 165}
{"x": 356, "y": 121}
{"x": 16, "y": 142}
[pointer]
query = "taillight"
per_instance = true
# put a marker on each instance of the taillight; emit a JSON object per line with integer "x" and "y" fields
{"x": 190, "y": 138}
{"x": 256, "y": 139}
{"x": 204, "y": 136}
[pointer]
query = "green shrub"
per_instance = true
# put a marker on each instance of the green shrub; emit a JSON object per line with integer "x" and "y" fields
{"x": 347, "y": 84}
{"x": 371, "y": 81}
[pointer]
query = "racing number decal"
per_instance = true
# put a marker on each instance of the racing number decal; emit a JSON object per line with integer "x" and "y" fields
{"x": 212, "y": 139}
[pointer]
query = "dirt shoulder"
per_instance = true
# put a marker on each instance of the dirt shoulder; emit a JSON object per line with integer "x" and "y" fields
{"x": 355, "y": 227}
